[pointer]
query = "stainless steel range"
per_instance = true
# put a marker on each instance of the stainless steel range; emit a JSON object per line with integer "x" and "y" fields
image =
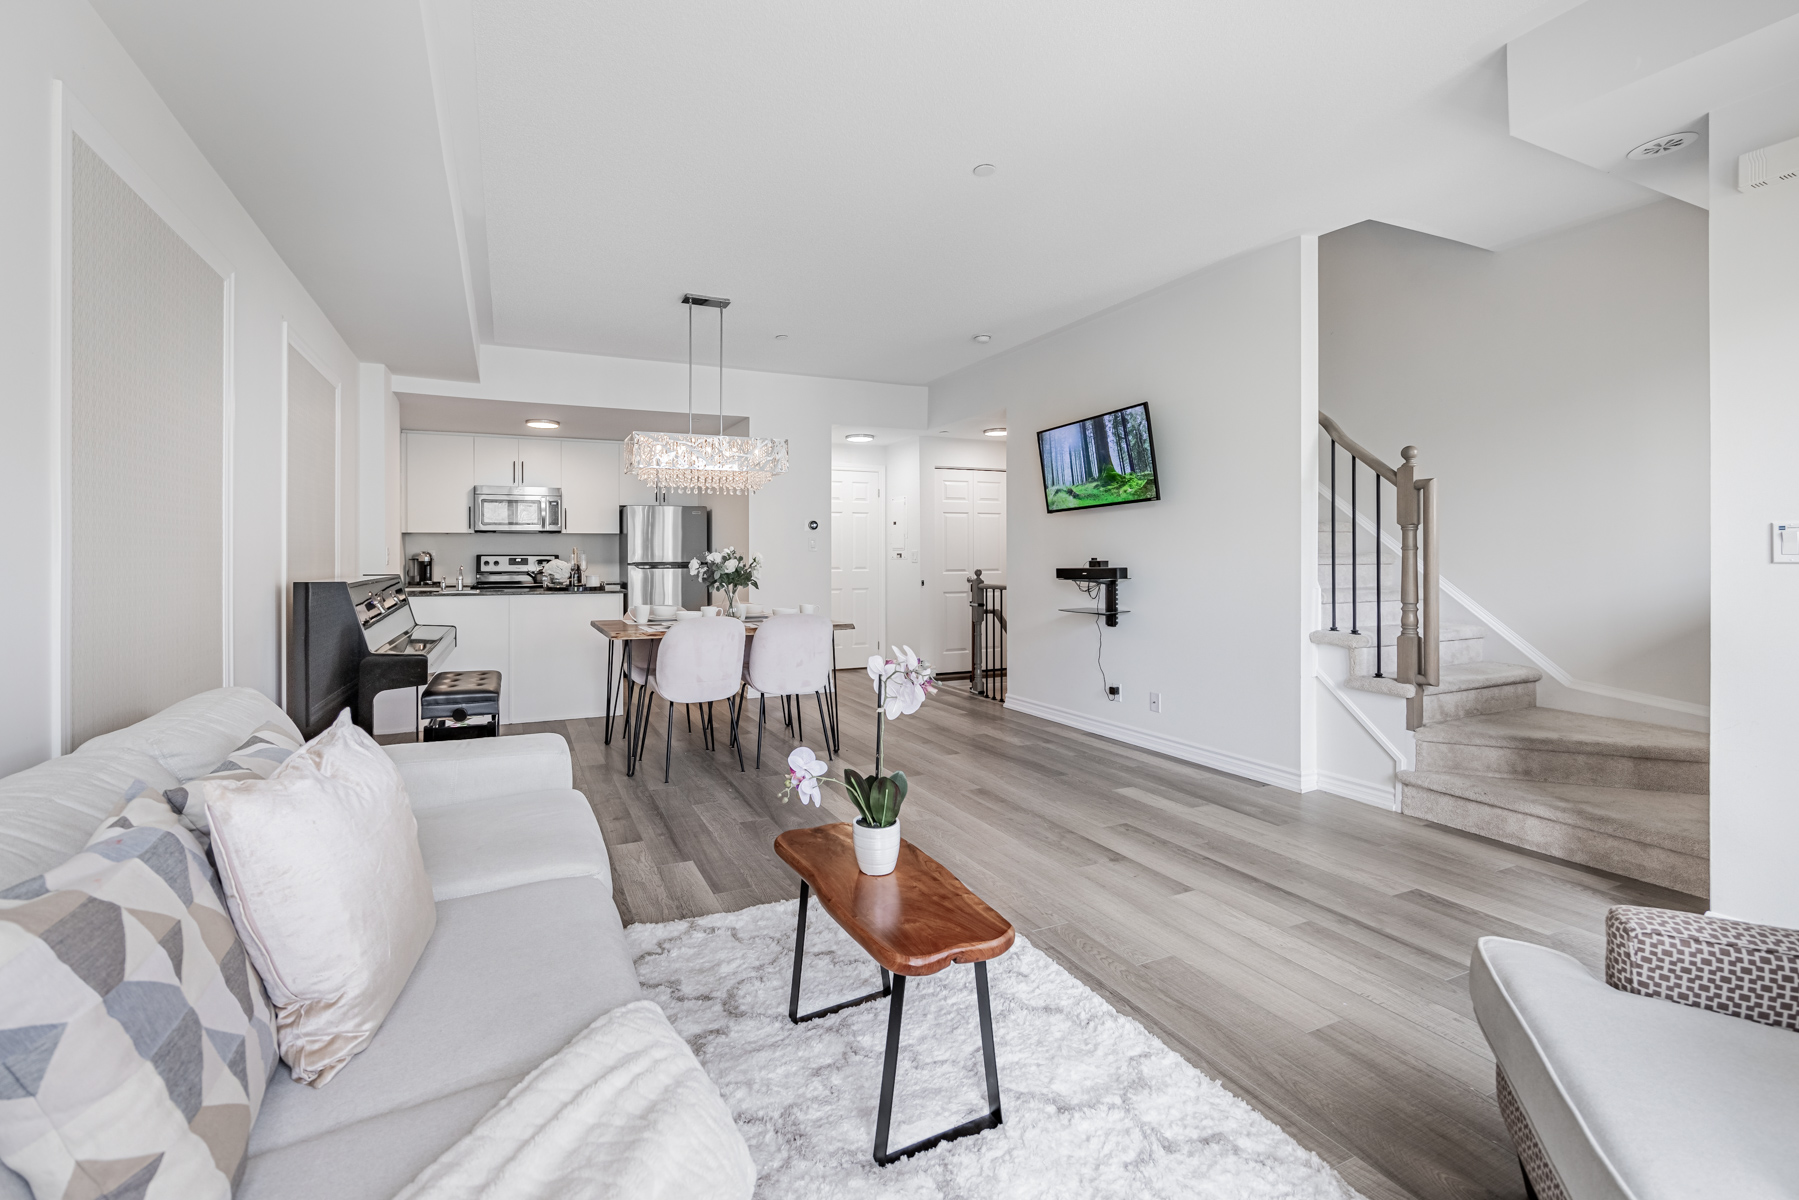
{"x": 510, "y": 572}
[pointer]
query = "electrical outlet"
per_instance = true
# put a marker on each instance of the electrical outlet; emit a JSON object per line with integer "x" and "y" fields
{"x": 1115, "y": 694}
{"x": 1155, "y": 702}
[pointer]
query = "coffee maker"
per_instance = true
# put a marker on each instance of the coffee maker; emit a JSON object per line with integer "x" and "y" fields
{"x": 421, "y": 567}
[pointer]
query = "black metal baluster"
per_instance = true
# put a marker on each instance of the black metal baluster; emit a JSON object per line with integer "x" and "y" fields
{"x": 1377, "y": 593}
{"x": 1333, "y": 519}
{"x": 1355, "y": 552}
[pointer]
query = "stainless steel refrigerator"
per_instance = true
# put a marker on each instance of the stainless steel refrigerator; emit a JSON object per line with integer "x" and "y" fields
{"x": 660, "y": 540}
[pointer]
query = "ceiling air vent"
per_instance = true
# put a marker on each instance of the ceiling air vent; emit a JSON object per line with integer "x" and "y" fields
{"x": 1761, "y": 169}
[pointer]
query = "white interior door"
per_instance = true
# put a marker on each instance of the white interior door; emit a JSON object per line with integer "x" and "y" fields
{"x": 970, "y": 520}
{"x": 858, "y": 579}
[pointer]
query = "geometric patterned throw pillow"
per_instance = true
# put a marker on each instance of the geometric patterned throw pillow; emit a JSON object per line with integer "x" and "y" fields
{"x": 135, "y": 1037}
{"x": 262, "y": 752}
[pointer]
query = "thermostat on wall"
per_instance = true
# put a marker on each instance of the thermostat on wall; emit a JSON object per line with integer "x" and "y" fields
{"x": 1786, "y": 542}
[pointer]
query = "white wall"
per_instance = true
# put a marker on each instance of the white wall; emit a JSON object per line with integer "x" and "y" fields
{"x": 1223, "y": 568}
{"x": 796, "y": 560}
{"x": 1558, "y": 390}
{"x": 43, "y": 42}
{"x": 1754, "y": 482}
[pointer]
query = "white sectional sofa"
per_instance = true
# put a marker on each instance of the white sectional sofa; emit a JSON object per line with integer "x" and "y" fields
{"x": 528, "y": 949}
{"x": 1676, "y": 1077}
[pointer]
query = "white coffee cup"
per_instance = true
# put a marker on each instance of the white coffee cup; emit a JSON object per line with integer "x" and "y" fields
{"x": 709, "y": 610}
{"x": 664, "y": 612}
{"x": 808, "y": 609}
{"x": 640, "y": 613}
{"x": 785, "y": 612}
{"x": 686, "y": 614}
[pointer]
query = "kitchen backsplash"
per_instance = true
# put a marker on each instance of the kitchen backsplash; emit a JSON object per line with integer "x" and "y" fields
{"x": 452, "y": 550}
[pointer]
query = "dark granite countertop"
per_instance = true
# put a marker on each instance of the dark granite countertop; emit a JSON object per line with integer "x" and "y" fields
{"x": 613, "y": 589}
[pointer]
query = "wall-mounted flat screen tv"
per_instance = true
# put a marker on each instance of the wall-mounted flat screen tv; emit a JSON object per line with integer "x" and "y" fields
{"x": 1103, "y": 460}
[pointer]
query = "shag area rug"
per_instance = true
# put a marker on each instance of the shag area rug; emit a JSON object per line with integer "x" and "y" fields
{"x": 1094, "y": 1105}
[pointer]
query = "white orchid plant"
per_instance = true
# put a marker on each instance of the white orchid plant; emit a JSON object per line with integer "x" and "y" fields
{"x": 725, "y": 571}
{"x": 901, "y": 683}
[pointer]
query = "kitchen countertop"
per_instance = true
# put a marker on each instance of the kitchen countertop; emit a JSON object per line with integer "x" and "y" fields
{"x": 612, "y": 589}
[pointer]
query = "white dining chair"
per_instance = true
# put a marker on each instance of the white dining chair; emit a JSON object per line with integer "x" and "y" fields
{"x": 697, "y": 662}
{"x": 790, "y": 656}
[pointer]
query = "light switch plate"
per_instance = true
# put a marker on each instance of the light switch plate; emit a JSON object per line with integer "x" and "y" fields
{"x": 1786, "y": 541}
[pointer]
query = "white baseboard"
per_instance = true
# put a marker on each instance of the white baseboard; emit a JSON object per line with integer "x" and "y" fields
{"x": 1205, "y": 756}
{"x": 1380, "y": 795}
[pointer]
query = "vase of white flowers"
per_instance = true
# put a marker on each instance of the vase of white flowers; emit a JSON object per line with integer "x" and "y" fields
{"x": 901, "y": 685}
{"x": 725, "y": 571}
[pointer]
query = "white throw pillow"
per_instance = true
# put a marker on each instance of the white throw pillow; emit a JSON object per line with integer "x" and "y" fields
{"x": 321, "y": 866}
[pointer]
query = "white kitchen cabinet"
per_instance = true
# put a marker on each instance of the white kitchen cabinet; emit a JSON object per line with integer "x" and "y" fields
{"x": 590, "y": 486}
{"x": 552, "y": 663}
{"x": 536, "y": 462}
{"x": 496, "y": 461}
{"x": 483, "y": 637}
{"x": 558, "y": 659}
{"x": 540, "y": 461}
{"x": 440, "y": 470}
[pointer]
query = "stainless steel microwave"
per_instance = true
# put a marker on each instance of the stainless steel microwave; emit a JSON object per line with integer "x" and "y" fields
{"x": 498, "y": 508}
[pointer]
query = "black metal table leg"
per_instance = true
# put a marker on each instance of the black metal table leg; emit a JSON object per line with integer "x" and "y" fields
{"x": 799, "y": 950}
{"x": 610, "y": 646}
{"x": 890, "y": 1068}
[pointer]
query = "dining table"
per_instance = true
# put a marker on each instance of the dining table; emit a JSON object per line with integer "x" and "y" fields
{"x": 624, "y": 631}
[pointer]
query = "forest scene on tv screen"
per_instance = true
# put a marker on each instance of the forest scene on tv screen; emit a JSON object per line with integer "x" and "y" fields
{"x": 1102, "y": 460}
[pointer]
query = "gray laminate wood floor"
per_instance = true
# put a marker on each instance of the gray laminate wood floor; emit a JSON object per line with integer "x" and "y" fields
{"x": 1309, "y": 952}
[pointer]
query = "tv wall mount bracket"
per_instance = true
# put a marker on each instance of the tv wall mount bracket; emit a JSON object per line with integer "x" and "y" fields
{"x": 1098, "y": 578}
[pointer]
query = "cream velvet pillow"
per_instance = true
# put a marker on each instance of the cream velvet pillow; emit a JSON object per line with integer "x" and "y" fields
{"x": 322, "y": 871}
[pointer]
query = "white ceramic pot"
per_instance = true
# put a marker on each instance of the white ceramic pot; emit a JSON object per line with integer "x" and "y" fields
{"x": 877, "y": 850}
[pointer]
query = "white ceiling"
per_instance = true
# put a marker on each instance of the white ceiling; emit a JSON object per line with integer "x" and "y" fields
{"x": 811, "y": 159}
{"x": 506, "y": 418}
{"x": 320, "y": 118}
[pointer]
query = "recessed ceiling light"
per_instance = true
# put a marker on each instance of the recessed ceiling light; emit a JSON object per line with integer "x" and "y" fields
{"x": 543, "y": 423}
{"x": 1662, "y": 146}
{"x": 983, "y": 338}
{"x": 858, "y": 437}
{"x": 996, "y": 431}
{"x": 780, "y": 337}
{"x": 984, "y": 170}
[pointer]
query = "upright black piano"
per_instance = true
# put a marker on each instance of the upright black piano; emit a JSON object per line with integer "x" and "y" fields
{"x": 349, "y": 641}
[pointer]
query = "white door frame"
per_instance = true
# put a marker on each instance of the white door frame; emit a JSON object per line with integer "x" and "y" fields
{"x": 71, "y": 119}
{"x": 292, "y": 341}
{"x": 879, "y": 587}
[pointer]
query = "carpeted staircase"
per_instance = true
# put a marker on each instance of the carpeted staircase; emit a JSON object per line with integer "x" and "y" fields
{"x": 1623, "y": 796}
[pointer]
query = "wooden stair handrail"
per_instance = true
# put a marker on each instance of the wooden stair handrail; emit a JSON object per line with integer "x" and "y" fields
{"x": 1354, "y": 447}
{"x": 1418, "y": 647}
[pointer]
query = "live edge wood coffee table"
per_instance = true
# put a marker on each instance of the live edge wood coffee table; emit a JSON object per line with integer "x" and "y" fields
{"x": 916, "y": 921}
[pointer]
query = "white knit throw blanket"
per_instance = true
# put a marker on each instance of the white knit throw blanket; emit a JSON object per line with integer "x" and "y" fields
{"x": 624, "y": 1110}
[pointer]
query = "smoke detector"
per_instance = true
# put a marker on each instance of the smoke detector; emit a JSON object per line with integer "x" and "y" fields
{"x": 1761, "y": 169}
{"x": 1663, "y": 146}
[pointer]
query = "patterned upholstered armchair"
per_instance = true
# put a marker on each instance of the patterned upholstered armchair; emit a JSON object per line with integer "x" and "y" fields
{"x": 1678, "y": 1077}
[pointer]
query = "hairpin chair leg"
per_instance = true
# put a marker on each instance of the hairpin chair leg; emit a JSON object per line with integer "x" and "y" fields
{"x": 799, "y": 721}
{"x": 761, "y": 718}
{"x": 735, "y": 743}
{"x": 668, "y": 742}
{"x": 830, "y": 752}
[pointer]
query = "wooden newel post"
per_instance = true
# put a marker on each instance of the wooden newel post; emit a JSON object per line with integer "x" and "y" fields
{"x": 1410, "y": 644}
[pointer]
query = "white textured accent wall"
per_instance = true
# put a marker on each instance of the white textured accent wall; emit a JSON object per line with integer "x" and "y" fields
{"x": 146, "y": 612}
{"x": 311, "y": 471}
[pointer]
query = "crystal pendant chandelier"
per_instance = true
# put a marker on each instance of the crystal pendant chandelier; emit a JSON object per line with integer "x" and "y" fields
{"x": 705, "y": 462}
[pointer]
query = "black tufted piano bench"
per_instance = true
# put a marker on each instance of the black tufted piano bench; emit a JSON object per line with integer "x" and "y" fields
{"x": 461, "y": 704}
